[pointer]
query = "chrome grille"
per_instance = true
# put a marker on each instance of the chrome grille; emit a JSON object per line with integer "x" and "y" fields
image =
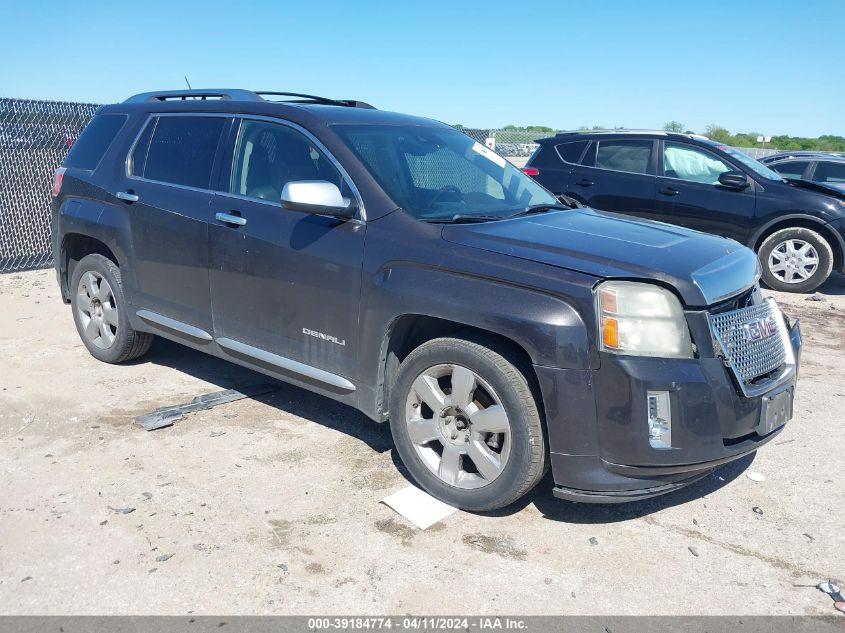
{"x": 749, "y": 359}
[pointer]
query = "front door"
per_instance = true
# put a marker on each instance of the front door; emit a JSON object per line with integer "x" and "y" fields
{"x": 689, "y": 193}
{"x": 285, "y": 285}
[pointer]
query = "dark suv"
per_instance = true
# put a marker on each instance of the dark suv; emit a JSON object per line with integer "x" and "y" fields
{"x": 796, "y": 227}
{"x": 394, "y": 264}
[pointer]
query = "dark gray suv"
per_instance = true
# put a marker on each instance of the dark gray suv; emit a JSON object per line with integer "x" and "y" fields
{"x": 396, "y": 265}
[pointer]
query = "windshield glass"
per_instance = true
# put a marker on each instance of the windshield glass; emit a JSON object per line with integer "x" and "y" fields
{"x": 757, "y": 167}
{"x": 438, "y": 173}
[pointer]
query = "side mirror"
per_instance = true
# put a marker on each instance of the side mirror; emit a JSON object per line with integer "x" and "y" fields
{"x": 316, "y": 196}
{"x": 733, "y": 180}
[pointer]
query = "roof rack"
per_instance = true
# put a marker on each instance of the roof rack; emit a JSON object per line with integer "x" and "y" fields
{"x": 227, "y": 94}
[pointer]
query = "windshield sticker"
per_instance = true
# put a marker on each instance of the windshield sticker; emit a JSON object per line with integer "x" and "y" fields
{"x": 489, "y": 154}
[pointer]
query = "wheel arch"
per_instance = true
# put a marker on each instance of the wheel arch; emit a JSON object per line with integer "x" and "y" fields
{"x": 408, "y": 331}
{"x": 74, "y": 247}
{"x": 802, "y": 221}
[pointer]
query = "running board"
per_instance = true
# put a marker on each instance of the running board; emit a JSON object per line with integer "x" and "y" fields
{"x": 156, "y": 319}
{"x": 286, "y": 365}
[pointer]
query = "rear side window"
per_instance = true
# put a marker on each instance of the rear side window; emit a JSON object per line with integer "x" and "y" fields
{"x": 629, "y": 156}
{"x": 94, "y": 141}
{"x": 790, "y": 168}
{"x": 178, "y": 150}
{"x": 571, "y": 152}
{"x": 830, "y": 172}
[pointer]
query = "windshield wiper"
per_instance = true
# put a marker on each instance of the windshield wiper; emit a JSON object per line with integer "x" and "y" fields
{"x": 539, "y": 208}
{"x": 460, "y": 218}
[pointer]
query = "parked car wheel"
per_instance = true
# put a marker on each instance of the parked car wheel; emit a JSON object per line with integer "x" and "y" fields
{"x": 795, "y": 260}
{"x": 99, "y": 311}
{"x": 466, "y": 424}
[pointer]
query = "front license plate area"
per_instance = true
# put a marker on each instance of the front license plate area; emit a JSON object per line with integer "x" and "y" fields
{"x": 775, "y": 411}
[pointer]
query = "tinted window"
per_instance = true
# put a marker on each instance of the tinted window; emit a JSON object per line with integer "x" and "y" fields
{"x": 270, "y": 155}
{"x": 790, "y": 168}
{"x": 571, "y": 152}
{"x": 830, "y": 172}
{"x": 631, "y": 156}
{"x": 182, "y": 150}
{"x": 94, "y": 141}
{"x": 437, "y": 173}
{"x": 690, "y": 163}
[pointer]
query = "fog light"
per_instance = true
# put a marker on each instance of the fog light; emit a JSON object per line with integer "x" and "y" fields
{"x": 659, "y": 420}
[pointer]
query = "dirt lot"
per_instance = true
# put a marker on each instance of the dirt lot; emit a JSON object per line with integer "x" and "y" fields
{"x": 271, "y": 505}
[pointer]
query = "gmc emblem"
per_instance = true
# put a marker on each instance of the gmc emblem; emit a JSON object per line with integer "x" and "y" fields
{"x": 759, "y": 329}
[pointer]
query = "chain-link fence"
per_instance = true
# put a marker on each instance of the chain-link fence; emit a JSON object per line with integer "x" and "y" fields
{"x": 34, "y": 138}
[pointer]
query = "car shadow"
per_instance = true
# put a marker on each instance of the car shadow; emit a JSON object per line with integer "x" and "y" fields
{"x": 283, "y": 396}
{"x": 340, "y": 417}
{"x": 835, "y": 285}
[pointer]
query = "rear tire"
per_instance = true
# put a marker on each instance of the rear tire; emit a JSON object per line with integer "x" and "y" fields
{"x": 466, "y": 425}
{"x": 100, "y": 312}
{"x": 795, "y": 259}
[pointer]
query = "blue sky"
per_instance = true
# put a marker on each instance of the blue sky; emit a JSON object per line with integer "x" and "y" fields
{"x": 772, "y": 67}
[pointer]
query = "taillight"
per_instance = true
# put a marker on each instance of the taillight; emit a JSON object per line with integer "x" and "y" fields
{"x": 531, "y": 171}
{"x": 57, "y": 180}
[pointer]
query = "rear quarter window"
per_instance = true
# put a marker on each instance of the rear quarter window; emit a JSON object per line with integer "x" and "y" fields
{"x": 571, "y": 152}
{"x": 95, "y": 139}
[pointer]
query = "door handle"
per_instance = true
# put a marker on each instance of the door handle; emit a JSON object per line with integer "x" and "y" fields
{"x": 669, "y": 191}
{"x": 228, "y": 218}
{"x": 127, "y": 196}
{"x": 584, "y": 182}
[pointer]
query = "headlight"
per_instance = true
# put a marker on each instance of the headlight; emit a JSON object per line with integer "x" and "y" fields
{"x": 642, "y": 320}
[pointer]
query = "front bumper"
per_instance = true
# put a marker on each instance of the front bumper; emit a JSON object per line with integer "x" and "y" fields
{"x": 597, "y": 424}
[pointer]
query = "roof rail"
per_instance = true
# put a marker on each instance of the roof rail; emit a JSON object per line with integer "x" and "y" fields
{"x": 202, "y": 95}
{"x": 241, "y": 95}
{"x": 306, "y": 98}
{"x": 619, "y": 131}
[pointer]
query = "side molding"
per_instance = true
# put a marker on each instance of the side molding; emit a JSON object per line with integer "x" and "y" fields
{"x": 174, "y": 326}
{"x": 287, "y": 365}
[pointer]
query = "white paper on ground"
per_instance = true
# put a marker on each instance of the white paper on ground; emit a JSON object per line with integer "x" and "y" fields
{"x": 755, "y": 476}
{"x": 419, "y": 507}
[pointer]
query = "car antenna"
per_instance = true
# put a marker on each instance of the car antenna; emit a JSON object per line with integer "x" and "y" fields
{"x": 188, "y": 82}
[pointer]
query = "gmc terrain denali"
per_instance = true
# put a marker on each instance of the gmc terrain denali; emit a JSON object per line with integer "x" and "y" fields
{"x": 394, "y": 264}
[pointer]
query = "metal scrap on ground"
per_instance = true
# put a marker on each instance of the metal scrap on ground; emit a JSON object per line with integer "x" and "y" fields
{"x": 166, "y": 416}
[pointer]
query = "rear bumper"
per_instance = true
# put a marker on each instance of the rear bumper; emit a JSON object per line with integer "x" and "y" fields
{"x": 598, "y": 428}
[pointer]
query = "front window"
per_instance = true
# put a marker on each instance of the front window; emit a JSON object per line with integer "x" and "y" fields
{"x": 437, "y": 173}
{"x": 270, "y": 155}
{"x": 692, "y": 164}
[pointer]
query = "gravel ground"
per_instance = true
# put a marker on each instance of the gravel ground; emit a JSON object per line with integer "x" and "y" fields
{"x": 271, "y": 505}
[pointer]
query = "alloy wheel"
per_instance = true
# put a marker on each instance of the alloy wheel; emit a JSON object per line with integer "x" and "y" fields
{"x": 97, "y": 309}
{"x": 458, "y": 426}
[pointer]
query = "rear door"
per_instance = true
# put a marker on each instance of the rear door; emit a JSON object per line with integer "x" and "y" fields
{"x": 555, "y": 163}
{"x": 689, "y": 193}
{"x": 617, "y": 175}
{"x": 167, "y": 192}
{"x": 285, "y": 285}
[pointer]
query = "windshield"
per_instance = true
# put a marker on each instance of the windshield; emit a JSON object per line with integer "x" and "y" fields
{"x": 757, "y": 167}
{"x": 439, "y": 173}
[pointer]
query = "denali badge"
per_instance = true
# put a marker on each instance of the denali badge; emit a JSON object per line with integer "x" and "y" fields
{"x": 759, "y": 329}
{"x": 325, "y": 337}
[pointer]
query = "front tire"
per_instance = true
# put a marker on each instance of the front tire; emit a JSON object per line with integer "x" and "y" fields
{"x": 466, "y": 425}
{"x": 795, "y": 260}
{"x": 100, "y": 312}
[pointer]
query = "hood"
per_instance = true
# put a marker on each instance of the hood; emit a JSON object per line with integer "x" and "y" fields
{"x": 837, "y": 190}
{"x": 702, "y": 268}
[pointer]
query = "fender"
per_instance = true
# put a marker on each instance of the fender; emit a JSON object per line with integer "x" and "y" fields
{"x": 94, "y": 219}
{"x": 752, "y": 242}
